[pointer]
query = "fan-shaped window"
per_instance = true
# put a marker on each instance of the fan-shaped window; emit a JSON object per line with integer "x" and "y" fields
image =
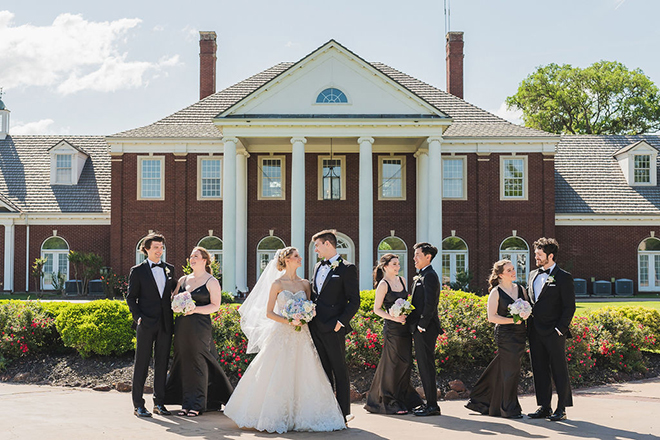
{"x": 331, "y": 96}
{"x": 56, "y": 252}
{"x": 214, "y": 245}
{"x": 345, "y": 249}
{"x": 266, "y": 251}
{"x": 395, "y": 245}
{"x": 648, "y": 255}
{"x": 516, "y": 250}
{"x": 140, "y": 257}
{"x": 454, "y": 258}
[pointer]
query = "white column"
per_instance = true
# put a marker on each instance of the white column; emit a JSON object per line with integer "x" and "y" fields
{"x": 241, "y": 220}
{"x": 229, "y": 215}
{"x": 9, "y": 257}
{"x": 422, "y": 195}
{"x": 435, "y": 191}
{"x": 298, "y": 198}
{"x": 366, "y": 213}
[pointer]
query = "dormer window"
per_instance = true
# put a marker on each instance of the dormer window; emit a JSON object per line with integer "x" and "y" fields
{"x": 66, "y": 163}
{"x": 331, "y": 96}
{"x": 638, "y": 163}
{"x": 642, "y": 169}
{"x": 63, "y": 169}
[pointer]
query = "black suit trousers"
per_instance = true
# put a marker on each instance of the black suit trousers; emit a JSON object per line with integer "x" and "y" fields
{"x": 425, "y": 355}
{"x": 159, "y": 341}
{"x": 548, "y": 355}
{"x": 331, "y": 347}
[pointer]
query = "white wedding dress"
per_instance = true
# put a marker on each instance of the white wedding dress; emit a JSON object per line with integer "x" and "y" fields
{"x": 285, "y": 387}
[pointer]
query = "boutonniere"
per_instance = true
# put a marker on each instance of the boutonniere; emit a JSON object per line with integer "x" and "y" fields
{"x": 336, "y": 264}
{"x": 550, "y": 279}
{"x": 417, "y": 277}
{"x": 167, "y": 270}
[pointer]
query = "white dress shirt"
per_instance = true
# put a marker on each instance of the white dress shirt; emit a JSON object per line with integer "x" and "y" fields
{"x": 323, "y": 272}
{"x": 159, "y": 276}
{"x": 540, "y": 280}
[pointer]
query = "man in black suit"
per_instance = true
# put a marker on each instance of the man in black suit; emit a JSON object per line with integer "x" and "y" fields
{"x": 336, "y": 293}
{"x": 150, "y": 286}
{"x": 425, "y": 324}
{"x": 552, "y": 294}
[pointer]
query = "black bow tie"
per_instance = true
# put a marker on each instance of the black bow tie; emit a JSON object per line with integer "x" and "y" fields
{"x": 325, "y": 263}
{"x": 544, "y": 271}
{"x": 161, "y": 264}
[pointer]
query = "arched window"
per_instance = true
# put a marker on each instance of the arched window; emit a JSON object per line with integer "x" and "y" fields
{"x": 516, "y": 250}
{"x": 140, "y": 257}
{"x": 454, "y": 258}
{"x": 398, "y": 247}
{"x": 331, "y": 96}
{"x": 266, "y": 251}
{"x": 214, "y": 245}
{"x": 345, "y": 249}
{"x": 56, "y": 252}
{"x": 648, "y": 256}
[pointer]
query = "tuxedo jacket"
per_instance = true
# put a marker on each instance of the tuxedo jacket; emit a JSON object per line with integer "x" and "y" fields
{"x": 143, "y": 298}
{"x": 425, "y": 293}
{"x": 338, "y": 299}
{"x": 554, "y": 307}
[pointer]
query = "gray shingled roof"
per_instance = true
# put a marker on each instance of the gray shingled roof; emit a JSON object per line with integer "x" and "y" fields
{"x": 196, "y": 121}
{"x": 25, "y": 175}
{"x": 589, "y": 180}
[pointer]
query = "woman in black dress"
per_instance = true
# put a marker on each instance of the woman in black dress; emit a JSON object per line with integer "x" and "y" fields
{"x": 496, "y": 391}
{"x": 196, "y": 380}
{"x": 391, "y": 391}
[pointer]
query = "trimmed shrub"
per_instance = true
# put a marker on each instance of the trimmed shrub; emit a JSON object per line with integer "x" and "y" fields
{"x": 617, "y": 341}
{"x": 647, "y": 317}
{"x": 364, "y": 344}
{"x": 227, "y": 298}
{"x": 230, "y": 340}
{"x": 25, "y": 328}
{"x": 100, "y": 327}
{"x": 367, "y": 299}
{"x": 579, "y": 350}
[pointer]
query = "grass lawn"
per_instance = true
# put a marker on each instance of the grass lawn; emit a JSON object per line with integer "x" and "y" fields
{"x": 586, "y": 306}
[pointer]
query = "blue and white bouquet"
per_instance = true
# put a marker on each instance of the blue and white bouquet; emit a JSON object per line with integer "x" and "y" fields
{"x": 401, "y": 307}
{"x": 182, "y": 303}
{"x": 299, "y": 310}
{"x": 520, "y": 310}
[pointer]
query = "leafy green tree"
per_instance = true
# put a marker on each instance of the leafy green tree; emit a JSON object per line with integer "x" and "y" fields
{"x": 604, "y": 98}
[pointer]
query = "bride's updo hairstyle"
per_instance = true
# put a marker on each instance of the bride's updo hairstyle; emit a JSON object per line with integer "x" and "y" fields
{"x": 283, "y": 255}
{"x": 498, "y": 269}
{"x": 208, "y": 259}
{"x": 379, "y": 271}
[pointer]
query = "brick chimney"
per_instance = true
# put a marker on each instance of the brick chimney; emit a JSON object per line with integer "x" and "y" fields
{"x": 455, "y": 63}
{"x": 207, "y": 60}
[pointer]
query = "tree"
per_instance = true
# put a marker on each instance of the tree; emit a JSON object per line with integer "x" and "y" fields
{"x": 604, "y": 98}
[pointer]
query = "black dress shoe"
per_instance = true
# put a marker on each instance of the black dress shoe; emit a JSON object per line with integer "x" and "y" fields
{"x": 141, "y": 411}
{"x": 160, "y": 409}
{"x": 428, "y": 411}
{"x": 477, "y": 407}
{"x": 560, "y": 414}
{"x": 541, "y": 413}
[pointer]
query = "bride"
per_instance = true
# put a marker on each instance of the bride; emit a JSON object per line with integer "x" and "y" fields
{"x": 284, "y": 388}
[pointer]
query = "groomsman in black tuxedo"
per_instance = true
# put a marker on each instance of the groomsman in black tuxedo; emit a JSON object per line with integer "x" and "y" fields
{"x": 552, "y": 294}
{"x": 150, "y": 286}
{"x": 425, "y": 324}
{"x": 336, "y": 292}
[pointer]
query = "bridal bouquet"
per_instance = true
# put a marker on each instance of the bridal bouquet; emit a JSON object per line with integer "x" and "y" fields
{"x": 299, "y": 309}
{"x": 182, "y": 303}
{"x": 401, "y": 307}
{"x": 520, "y": 310}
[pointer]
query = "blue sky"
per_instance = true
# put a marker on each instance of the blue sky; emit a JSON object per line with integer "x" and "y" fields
{"x": 81, "y": 67}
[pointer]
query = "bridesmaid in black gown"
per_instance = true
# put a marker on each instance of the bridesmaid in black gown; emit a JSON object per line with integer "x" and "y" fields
{"x": 391, "y": 391}
{"x": 196, "y": 380}
{"x": 496, "y": 391}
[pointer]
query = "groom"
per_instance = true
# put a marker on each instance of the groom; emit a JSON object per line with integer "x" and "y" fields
{"x": 150, "y": 286}
{"x": 337, "y": 296}
{"x": 553, "y": 305}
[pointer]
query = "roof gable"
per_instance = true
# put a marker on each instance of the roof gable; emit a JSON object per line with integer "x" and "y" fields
{"x": 637, "y": 147}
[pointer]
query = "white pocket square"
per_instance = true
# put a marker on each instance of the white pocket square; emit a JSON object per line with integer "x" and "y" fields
{"x": 335, "y": 276}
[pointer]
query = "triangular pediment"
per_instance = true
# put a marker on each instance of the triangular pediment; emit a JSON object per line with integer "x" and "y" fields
{"x": 367, "y": 91}
{"x": 63, "y": 145}
{"x": 637, "y": 147}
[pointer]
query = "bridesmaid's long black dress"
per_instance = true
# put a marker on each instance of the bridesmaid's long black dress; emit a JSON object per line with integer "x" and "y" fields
{"x": 496, "y": 391}
{"x": 196, "y": 380}
{"x": 391, "y": 390}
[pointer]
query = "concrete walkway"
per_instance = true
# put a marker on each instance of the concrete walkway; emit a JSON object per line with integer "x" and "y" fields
{"x": 622, "y": 411}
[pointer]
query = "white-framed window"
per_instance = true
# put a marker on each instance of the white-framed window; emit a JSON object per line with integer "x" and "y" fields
{"x": 331, "y": 95}
{"x": 56, "y": 251}
{"x": 345, "y": 249}
{"x": 454, "y": 258}
{"x": 391, "y": 178}
{"x": 151, "y": 182}
{"x": 209, "y": 178}
{"x": 266, "y": 250}
{"x": 140, "y": 257}
{"x": 213, "y": 245}
{"x": 332, "y": 177}
{"x": 395, "y": 245}
{"x": 271, "y": 178}
{"x": 454, "y": 178}
{"x": 63, "y": 164}
{"x": 648, "y": 255}
{"x": 513, "y": 177}
{"x": 642, "y": 168}
{"x": 517, "y": 250}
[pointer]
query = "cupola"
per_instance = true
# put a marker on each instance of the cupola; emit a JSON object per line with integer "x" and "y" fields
{"x": 4, "y": 119}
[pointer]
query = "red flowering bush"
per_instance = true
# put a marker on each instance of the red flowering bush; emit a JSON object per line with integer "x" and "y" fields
{"x": 230, "y": 340}
{"x": 25, "y": 328}
{"x": 616, "y": 341}
{"x": 579, "y": 350}
{"x": 364, "y": 344}
{"x": 647, "y": 317}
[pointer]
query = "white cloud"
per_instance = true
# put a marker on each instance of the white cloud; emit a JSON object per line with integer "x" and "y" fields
{"x": 514, "y": 116}
{"x": 39, "y": 127}
{"x": 159, "y": 28}
{"x": 71, "y": 55}
{"x": 190, "y": 33}
{"x": 291, "y": 44}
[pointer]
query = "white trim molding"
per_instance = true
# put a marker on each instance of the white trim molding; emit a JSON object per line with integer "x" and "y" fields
{"x": 606, "y": 220}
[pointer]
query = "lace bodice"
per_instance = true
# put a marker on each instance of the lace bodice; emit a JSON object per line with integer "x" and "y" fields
{"x": 286, "y": 295}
